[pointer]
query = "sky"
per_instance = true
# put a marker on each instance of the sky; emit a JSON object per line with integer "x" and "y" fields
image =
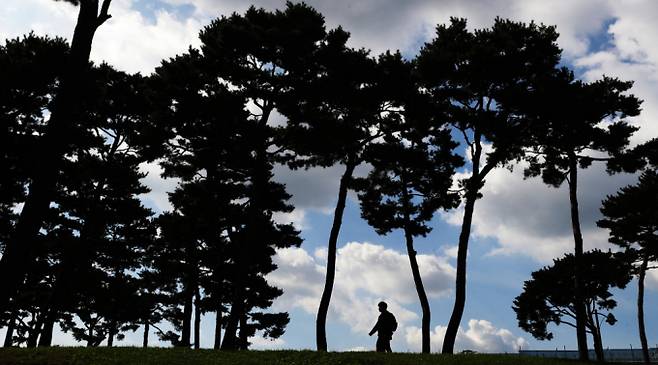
{"x": 519, "y": 225}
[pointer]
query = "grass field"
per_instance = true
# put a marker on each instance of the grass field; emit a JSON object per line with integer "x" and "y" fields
{"x": 153, "y": 356}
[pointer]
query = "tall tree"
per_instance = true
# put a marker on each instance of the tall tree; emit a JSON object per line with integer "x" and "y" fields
{"x": 631, "y": 215}
{"x": 257, "y": 53}
{"x": 550, "y": 296}
{"x": 337, "y": 108}
{"x": 30, "y": 70}
{"x": 410, "y": 180}
{"x": 477, "y": 78}
{"x": 64, "y": 114}
{"x": 572, "y": 137}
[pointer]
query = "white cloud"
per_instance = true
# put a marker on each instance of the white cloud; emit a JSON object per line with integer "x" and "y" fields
{"x": 481, "y": 336}
{"x": 365, "y": 274}
{"x": 129, "y": 41}
{"x": 530, "y": 218}
{"x": 157, "y": 198}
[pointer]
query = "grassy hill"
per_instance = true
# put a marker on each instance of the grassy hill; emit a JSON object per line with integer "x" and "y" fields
{"x": 153, "y": 356}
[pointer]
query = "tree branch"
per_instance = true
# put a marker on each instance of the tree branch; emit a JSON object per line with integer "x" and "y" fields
{"x": 103, "y": 16}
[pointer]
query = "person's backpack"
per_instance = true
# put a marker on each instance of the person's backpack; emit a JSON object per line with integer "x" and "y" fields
{"x": 394, "y": 323}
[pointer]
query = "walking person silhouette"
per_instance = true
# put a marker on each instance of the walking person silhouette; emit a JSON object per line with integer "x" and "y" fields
{"x": 385, "y": 326}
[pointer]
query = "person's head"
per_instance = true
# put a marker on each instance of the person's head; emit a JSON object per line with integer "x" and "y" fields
{"x": 382, "y": 306}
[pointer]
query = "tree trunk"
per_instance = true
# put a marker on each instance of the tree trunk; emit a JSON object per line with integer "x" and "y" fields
{"x": 420, "y": 289}
{"x": 415, "y": 271}
{"x": 640, "y": 309}
{"x": 581, "y": 331}
{"x": 145, "y": 340}
{"x": 321, "y": 321}
{"x": 460, "y": 286}
{"x": 33, "y": 334}
{"x": 187, "y": 318}
{"x": 111, "y": 334}
{"x": 46, "y": 337}
{"x": 197, "y": 318}
{"x": 9, "y": 335}
{"x": 231, "y": 329}
{"x": 472, "y": 188}
{"x": 19, "y": 247}
{"x": 244, "y": 333}
{"x": 218, "y": 328}
{"x": 91, "y": 337}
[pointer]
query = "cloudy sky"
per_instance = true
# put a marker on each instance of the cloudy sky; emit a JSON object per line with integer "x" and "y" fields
{"x": 518, "y": 227}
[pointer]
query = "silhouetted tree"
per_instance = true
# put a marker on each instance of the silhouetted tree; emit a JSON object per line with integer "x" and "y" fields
{"x": 336, "y": 109}
{"x": 256, "y": 54}
{"x": 572, "y": 136}
{"x": 550, "y": 296}
{"x": 476, "y": 79}
{"x": 64, "y": 115}
{"x": 30, "y": 70}
{"x": 411, "y": 178}
{"x": 632, "y": 218}
{"x": 99, "y": 197}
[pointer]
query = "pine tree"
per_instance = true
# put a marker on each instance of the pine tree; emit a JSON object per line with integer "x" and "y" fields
{"x": 571, "y": 137}
{"x": 65, "y": 113}
{"x": 550, "y": 296}
{"x": 477, "y": 80}
{"x": 631, "y": 215}
{"x": 411, "y": 179}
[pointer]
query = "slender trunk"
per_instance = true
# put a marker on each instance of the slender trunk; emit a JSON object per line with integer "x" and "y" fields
{"x": 91, "y": 337}
{"x": 111, "y": 334}
{"x": 321, "y": 321}
{"x": 581, "y": 331}
{"x": 197, "y": 318}
{"x": 231, "y": 329}
{"x": 46, "y": 337}
{"x": 19, "y": 248}
{"x": 420, "y": 289}
{"x": 33, "y": 334}
{"x": 244, "y": 333}
{"x": 473, "y": 187}
{"x": 415, "y": 271}
{"x": 9, "y": 336}
{"x": 640, "y": 309}
{"x": 187, "y": 318}
{"x": 593, "y": 318}
{"x": 218, "y": 328}
{"x": 145, "y": 340}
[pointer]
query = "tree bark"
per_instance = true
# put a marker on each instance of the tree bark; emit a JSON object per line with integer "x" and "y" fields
{"x": 415, "y": 271}
{"x": 420, "y": 289}
{"x": 9, "y": 335}
{"x": 218, "y": 328}
{"x": 111, "y": 333}
{"x": 244, "y": 333}
{"x": 33, "y": 334}
{"x": 640, "y": 309}
{"x": 581, "y": 320}
{"x": 65, "y": 112}
{"x": 145, "y": 340}
{"x": 231, "y": 329}
{"x": 321, "y": 321}
{"x": 472, "y": 189}
{"x": 187, "y": 318}
{"x": 197, "y": 319}
{"x": 46, "y": 337}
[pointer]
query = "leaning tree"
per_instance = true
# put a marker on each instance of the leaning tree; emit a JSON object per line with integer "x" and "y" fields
{"x": 65, "y": 113}
{"x": 587, "y": 127}
{"x": 476, "y": 78}
{"x": 631, "y": 215}
{"x": 410, "y": 180}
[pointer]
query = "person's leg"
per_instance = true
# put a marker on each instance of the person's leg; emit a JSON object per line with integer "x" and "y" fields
{"x": 388, "y": 346}
{"x": 381, "y": 347}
